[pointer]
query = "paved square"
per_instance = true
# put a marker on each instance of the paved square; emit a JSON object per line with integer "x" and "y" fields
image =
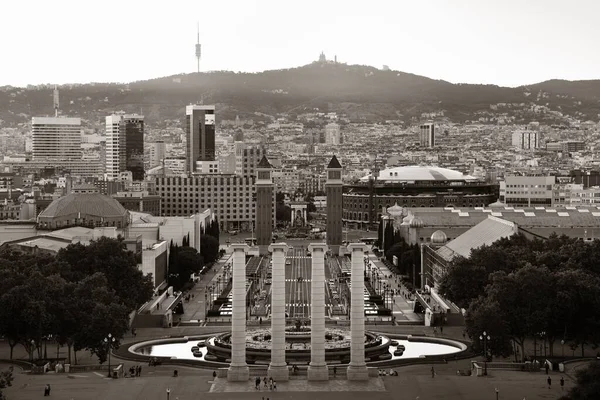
{"x": 301, "y": 385}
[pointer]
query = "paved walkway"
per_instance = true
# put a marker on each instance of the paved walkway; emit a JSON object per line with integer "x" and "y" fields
{"x": 300, "y": 385}
{"x": 402, "y": 306}
{"x": 195, "y": 308}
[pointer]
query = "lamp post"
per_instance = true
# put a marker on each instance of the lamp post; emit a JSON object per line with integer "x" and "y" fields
{"x": 168, "y": 393}
{"x": 484, "y": 337}
{"x": 205, "y": 301}
{"x": 32, "y": 348}
{"x": 562, "y": 343}
{"x": 497, "y": 393}
{"x": 109, "y": 340}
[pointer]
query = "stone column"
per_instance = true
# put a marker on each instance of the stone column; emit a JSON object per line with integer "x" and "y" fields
{"x": 238, "y": 369}
{"x": 317, "y": 370}
{"x": 357, "y": 370}
{"x": 278, "y": 367}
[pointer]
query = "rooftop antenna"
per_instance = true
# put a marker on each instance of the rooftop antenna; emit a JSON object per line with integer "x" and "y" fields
{"x": 198, "y": 48}
{"x": 56, "y": 103}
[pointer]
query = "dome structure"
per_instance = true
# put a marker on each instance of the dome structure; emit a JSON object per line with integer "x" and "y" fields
{"x": 438, "y": 237}
{"x": 414, "y": 173}
{"x": 416, "y": 222}
{"x": 395, "y": 210}
{"x": 87, "y": 209}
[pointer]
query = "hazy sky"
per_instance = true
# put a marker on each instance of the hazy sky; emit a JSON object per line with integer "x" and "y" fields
{"x": 504, "y": 42}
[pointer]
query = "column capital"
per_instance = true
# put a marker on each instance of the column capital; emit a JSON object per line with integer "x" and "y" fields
{"x": 317, "y": 247}
{"x": 240, "y": 246}
{"x": 357, "y": 247}
{"x": 278, "y": 246}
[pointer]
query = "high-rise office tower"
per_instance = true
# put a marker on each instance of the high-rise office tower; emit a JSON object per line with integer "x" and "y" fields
{"x": 125, "y": 145}
{"x": 333, "y": 190}
{"x": 264, "y": 205}
{"x": 56, "y": 138}
{"x": 427, "y": 134}
{"x": 200, "y": 135}
{"x": 332, "y": 133}
{"x": 157, "y": 153}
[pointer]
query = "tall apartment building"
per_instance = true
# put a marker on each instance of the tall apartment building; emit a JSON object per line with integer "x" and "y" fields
{"x": 526, "y": 140}
{"x": 157, "y": 153}
{"x": 231, "y": 197}
{"x": 427, "y": 135}
{"x": 56, "y": 138}
{"x": 125, "y": 145}
{"x": 200, "y": 135}
{"x": 527, "y": 191}
{"x": 332, "y": 134}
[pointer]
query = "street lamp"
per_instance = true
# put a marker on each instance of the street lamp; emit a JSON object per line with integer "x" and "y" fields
{"x": 32, "y": 348}
{"x": 168, "y": 393}
{"x": 562, "y": 343}
{"x": 109, "y": 340}
{"x": 484, "y": 337}
{"x": 497, "y": 392}
{"x": 205, "y": 301}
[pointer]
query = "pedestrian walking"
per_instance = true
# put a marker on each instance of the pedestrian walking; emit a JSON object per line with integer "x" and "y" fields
{"x": 549, "y": 382}
{"x": 432, "y": 372}
{"x": 547, "y": 367}
{"x": 265, "y": 382}
{"x": 274, "y": 385}
{"x": 334, "y": 370}
{"x": 562, "y": 383}
{"x": 442, "y": 329}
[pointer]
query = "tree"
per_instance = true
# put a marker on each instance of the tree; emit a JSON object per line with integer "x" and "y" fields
{"x": 110, "y": 257}
{"x": 283, "y": 213}
{"x": 588, "y": 384}
{"x": 6, "y": 378}
{"x": 485, "y": 316}
{"x": 464, "y": 282}
{"x": 209, "y": 248}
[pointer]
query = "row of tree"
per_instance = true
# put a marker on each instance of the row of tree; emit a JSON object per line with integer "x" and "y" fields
{"x": 518, "y": 289}
{"x": 75, "y": 298}
{"x": 390, "y": 241}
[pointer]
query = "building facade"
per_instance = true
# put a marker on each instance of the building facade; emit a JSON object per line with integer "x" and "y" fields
{"x": 157, "y": 153}
{"x": 200, "y": 135}
{"x": 125, "y": 145}
{"x": 230, "y": 197}
{"x": 526, "y": 140}
{"x": 427, "y": 135}
{"x": 56, "y": 138}
{"x": 412, "y": 186}
{"x": 527, "y": 191}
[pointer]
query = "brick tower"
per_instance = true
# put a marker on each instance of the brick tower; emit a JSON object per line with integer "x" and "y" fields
{"x": 333, "y": 189}
{"x": 264, "y": 205}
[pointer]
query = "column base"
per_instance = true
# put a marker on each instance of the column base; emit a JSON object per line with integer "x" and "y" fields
{"x": 318, "y": 372}
{"x": 278, "y": 372}
{"x": 357, "y": 373}
{"x": 238, "y": 373}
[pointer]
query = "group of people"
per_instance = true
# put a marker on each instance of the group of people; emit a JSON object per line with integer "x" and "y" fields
{"x": 135, "y": 370}
{"x": 391, "y": 372}
{"x": 268, "y": 383}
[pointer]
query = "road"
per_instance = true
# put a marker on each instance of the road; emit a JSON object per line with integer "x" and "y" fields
{"x": 298, "y": 284}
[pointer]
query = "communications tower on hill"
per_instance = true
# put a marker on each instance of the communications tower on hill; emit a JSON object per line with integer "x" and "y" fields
{"x": 198, "y": 48}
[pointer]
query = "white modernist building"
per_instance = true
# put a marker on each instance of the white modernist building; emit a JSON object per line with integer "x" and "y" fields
{"x": 56, "y": 138}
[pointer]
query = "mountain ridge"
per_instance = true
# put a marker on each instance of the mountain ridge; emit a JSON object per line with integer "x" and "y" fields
{"x": 364, "y": 93}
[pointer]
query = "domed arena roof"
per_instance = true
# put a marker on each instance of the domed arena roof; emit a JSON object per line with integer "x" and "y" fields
{"x": 497, "y": 204}
{"x": 419, "y": 173}
{"x": 95, "y": 204}
{"x": 438, "y": 237}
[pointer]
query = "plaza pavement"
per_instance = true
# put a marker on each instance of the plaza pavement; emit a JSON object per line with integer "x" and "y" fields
{"x": 414, "y": 382}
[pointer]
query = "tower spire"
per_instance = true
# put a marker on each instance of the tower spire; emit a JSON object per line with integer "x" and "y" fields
{"x": 198, "y": 47}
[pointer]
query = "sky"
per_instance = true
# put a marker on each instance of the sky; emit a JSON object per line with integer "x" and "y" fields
{"x": 502, "y": 42}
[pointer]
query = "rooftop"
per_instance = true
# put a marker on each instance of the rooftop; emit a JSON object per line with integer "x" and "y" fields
{"x": 484, "y": 233}
{"x": 85, "y": 204}
{"x": 420, "y": 173}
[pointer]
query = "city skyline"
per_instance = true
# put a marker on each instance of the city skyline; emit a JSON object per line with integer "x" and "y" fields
{"x": 507, "y": 43}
